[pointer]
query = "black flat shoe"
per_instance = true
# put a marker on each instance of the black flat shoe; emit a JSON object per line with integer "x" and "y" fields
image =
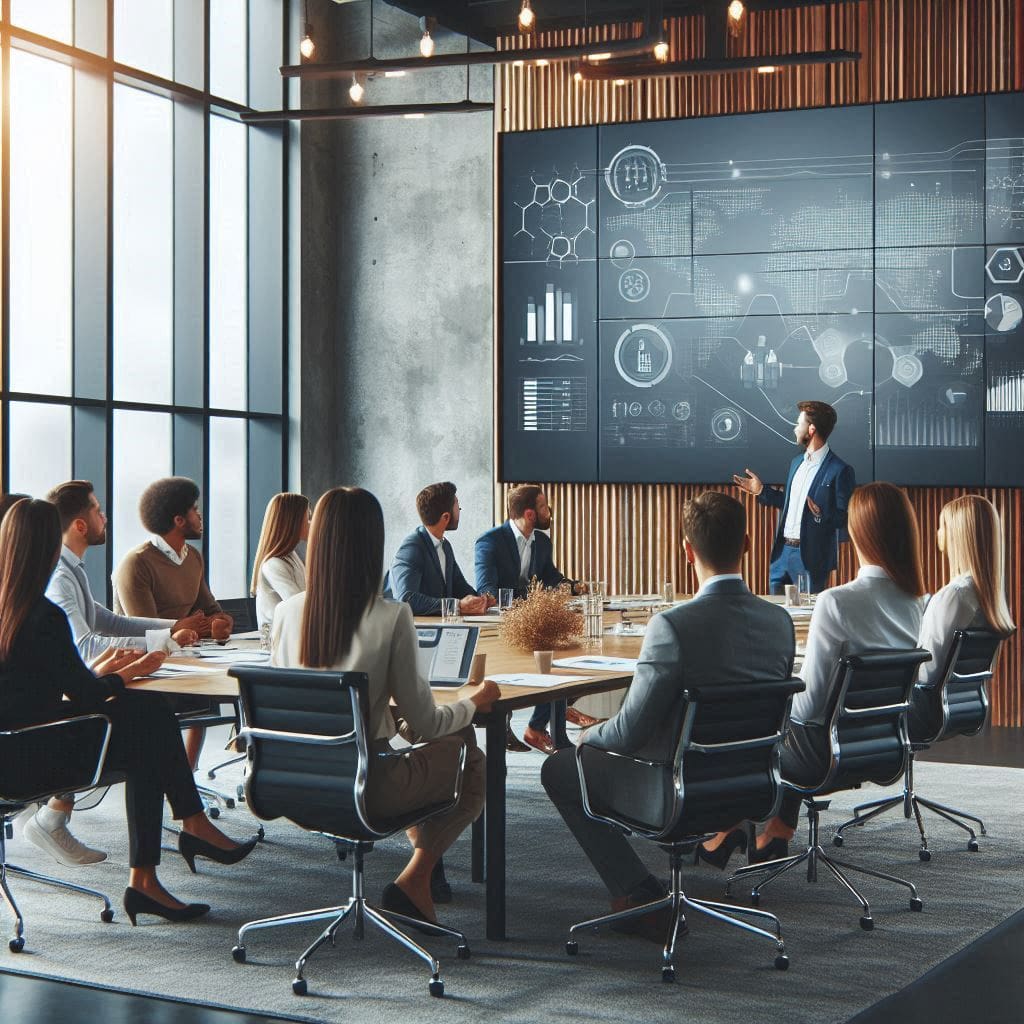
{"x": 190, "y": 847}
{"x": 394, "y": 899}
{"x": 719, "y": 856}
{"x": 774, "y": 849}
{"x": 136, "y": 902}
{"x": 440, "y": 890}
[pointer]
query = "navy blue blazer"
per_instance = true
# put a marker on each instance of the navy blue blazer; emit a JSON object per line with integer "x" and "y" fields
{"x": 497, "y": 562}
{"x": 819, "y": 535}
{"x": 415, "y": 575}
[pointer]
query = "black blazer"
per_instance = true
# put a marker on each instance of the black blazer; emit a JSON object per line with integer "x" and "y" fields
{"x": 497, "y": 562}
{"x": 416, "y": 578}
{"x": 43, "y": 668}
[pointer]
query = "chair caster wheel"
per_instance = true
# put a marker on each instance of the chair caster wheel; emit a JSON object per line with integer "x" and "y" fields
{"x": 261, "y": 834}
{"x": 229, "y": 803}
{"x": 106, "y": 916}
{"x": 867, "y": 923}
{"x": 755, "y": 899}
{"x": 16, "y": 945}
{"x": 837, "y": 840}
{"x": 299, "y": 986}
{"x": 240, "y": 793}
{"x": 572, "y": 948}
{"x": 972, "y": 845}
{"x": 668, "y": 973}
{"x": 462, "y": 952}
{"x": 214, "y": 813}
{"x": 782, "y": 962}
{"x": 436, "y": 987}
{"x": 916, "y": 904}
{"x": 924, "y": 854}
{"x": 238, "y": 954}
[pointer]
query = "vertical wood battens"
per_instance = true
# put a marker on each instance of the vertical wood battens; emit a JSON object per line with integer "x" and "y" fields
{"x": 627, "y": 534}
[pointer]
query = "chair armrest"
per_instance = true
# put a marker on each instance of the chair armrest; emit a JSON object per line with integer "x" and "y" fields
{"x": 742, "y": 691}
{"x": 412, "y": 746}
{"x": 306, "y": 739}
{"x": 625, "y": 757}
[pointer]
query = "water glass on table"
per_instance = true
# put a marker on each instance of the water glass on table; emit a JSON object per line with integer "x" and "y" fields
{"x": 803, "y": 589}
{"x": 593, "y": 616}
{"x": 668, "y": 592}
{"x": 450, "y": 609}
{"x": 506, "y": 595}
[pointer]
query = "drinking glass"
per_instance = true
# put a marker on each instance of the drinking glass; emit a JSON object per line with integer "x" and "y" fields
{"x": 450, "y": 609}
{"x": 803, "y": 588}
{"x": 595, "y": 587}
{"x": 505, "y": 598}
{"x": 593, "y": 617}
{"x": 668, "y": 592}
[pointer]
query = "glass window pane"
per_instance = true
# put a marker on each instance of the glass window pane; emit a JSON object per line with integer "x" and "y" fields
{"x": 228, "y": 49}
{"x": 40, "y": 439}
{"x": 52, "y": 18}
{"x": 143, "y": 246}
{"x": 142, "y": 454}
{"x": 144, "y": 35}
{"x": 226, "y": 525}
{"x": 228, "y": 262}
{"x": 41, "y": 225}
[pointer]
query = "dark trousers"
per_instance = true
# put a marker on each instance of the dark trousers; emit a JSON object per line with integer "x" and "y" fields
{"x": 785, "y": 569}
{"x": 145, "y": 746}
{"x": 553, "y": 713}
{"x": 805, "y": 756}
{"x": 614, "y": 859}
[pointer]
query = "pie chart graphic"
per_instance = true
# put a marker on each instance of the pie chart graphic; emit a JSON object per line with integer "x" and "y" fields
{"x": 1003, "y": 313}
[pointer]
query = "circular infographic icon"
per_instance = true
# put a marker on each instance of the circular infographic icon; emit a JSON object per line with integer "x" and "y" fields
{"x": 635, "y": 408}
{"x": 621, "y": 253}
{"x": 635, "y": 175}
{"x": 656, "y": 408}
{"x": 907, "y": 369}
{"x": 1002, "y": 313}
{"x": 726, "y": 424}
{"x": 634, "y": 285}
{"x": 643, "y": 355}
{"x": 681, "y": 411}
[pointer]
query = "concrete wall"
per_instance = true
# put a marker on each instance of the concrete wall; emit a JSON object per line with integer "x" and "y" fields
{"x": 396, "y": 240}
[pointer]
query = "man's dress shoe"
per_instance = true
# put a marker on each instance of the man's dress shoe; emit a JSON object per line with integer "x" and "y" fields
{"x": 541, "y": 741}
{"x": 512, "y": 741}
{"x": 584, "y": 721}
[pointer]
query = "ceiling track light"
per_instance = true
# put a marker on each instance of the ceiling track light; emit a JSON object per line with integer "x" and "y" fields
{"x": 527, "y": 19}
{"x": 765, "y": 64}
{"x": 403, "y": 110}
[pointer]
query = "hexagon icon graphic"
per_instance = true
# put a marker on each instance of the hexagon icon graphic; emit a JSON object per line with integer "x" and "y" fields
{"x": 1005, "y": 266}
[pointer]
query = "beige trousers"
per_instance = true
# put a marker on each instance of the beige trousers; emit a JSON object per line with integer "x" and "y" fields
{"x": 396, "y": 785}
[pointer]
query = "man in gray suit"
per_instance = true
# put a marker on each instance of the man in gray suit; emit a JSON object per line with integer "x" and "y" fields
{"x": 725, "y": 635}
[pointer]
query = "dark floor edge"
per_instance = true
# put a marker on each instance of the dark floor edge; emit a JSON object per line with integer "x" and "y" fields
{"x": 142, "y": 993}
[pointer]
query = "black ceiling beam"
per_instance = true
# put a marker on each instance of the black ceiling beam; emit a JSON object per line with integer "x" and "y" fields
{"x": 612, "y": 70}
{"x": 358, "y": 113}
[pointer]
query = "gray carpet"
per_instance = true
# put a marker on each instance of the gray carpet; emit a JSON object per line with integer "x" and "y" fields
{"x": 722, "y": 975}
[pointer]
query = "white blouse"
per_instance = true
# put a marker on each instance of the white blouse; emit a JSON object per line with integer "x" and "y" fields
{"x": 279, "y": 579}
{"x": 869, "y": 613}
{"x": 384, "y": 647}
{"x": 953, "y": 607}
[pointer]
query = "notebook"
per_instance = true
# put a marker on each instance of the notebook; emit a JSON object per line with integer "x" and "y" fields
{"x": 445, "y": 654}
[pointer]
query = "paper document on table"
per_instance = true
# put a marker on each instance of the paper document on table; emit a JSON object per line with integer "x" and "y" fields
{"x": 253, "y": 634}
{"x": 533, "y": 679}
{"x": 169, "y": 671}
{"x": 598, "y": 663}
{"x": 234, "y": 657}
{"x": 448, "y": 656}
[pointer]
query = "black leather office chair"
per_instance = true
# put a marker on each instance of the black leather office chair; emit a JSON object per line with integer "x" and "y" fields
{"x": 870, "y": 694}
{"x": 955, "y": 705}
{"x": 725, "y": 769}
{"x": 309, "y": 762}
{"x": 37, "y": 762}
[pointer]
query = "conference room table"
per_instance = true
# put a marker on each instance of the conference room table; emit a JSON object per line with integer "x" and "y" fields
{"x": 488, "y": 858}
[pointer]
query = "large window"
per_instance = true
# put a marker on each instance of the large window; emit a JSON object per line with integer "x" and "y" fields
{"x": 142, "y": 338}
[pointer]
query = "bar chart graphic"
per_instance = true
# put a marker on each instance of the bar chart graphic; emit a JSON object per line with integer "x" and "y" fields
{"x": 1006, "y": 388}
{"x": 554, "y": 404}
{"x": 551, "y": 320}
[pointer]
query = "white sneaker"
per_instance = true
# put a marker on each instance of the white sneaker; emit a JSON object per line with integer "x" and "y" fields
{"x": 48, "y": 829}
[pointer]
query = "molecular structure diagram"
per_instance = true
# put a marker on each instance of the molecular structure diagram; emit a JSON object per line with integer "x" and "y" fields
{"x": 558, "y": 215}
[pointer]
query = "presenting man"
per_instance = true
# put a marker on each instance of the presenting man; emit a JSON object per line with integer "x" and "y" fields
{"x": 724, "y": 636}
{"x": 424, "y": 569}
{"x": 813, "y": 519}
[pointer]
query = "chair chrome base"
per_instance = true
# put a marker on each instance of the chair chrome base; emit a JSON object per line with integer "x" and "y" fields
{"x": 360, "y": 911}
{"x": 912, "y": 804}
{"x": 815, "y": 855}
{"x": 212, "y": 774}
{"x": 675, "y": 902}
{"x": 17, "y": 943}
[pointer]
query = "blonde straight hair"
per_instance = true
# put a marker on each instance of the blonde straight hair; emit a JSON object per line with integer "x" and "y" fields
{"x": 973, "y": 540}
{"x": 282, "y": 527}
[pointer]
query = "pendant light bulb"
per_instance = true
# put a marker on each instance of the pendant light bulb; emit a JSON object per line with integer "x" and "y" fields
{"x": 734, "y": 17}
{"x": 526, "y": 17}
{"x": 661, "y": 51}
{"x": 307, "y": 47}
{"x": 427, "y": 44}
{"x": 356, "y": 90}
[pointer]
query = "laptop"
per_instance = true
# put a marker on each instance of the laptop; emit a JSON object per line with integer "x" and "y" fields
{"x": 444, "y": 654}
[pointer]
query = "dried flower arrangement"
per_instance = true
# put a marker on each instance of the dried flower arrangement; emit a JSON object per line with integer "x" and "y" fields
{"x": 542, "y": 621}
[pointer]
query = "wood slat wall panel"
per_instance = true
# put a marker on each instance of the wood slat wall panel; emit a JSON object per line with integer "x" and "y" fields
{"x": 626, "y": 534}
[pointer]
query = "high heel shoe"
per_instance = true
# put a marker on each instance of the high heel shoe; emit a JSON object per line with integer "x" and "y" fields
{"x": 719, "y": 856}
{"x": 191, "y": 846}
{"x": 774, "y": 849}
{"x": 137, "y": 902}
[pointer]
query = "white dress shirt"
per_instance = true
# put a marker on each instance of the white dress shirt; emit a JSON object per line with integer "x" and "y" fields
{"x": 177, "y": 557}
{"x": 384, "y": 647}
{"x": 954, "y": 607}
{"x": 525, "y": 552}
{"x": 800, "y": 489}
{"x": 868, "y": 613}
{"x": 69, "y": 589}
{"x": 439, "y": 548}
{"x": 279, "y": 579}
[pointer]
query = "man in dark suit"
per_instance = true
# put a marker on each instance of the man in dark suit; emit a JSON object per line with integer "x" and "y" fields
{"x": 424, "y": 569}
{"x": 813, "y": 519}
{"x": 507, "y": 558}
{"x": 725, "y": 635}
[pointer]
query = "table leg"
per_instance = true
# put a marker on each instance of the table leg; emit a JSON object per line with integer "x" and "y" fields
{"x": 477, "y": 871}
{"x": 494, "y": 827}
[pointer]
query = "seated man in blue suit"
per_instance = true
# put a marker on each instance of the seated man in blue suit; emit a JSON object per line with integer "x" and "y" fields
{"x": 424, "y": 569}
{"x": 813, "y": 519}
{"x": 507, "y": 558}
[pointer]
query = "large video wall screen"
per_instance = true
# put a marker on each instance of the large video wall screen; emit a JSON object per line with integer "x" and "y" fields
{"x": 671, "y": 290}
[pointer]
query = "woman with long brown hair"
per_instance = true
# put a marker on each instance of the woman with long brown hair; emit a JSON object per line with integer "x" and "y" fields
{"x": 278, "y": 571}
{"x": 971, "y": 537}
{"x": 881, "y": 608}
{"x": 43, "y": 679}
{"x": 343, "y": 622}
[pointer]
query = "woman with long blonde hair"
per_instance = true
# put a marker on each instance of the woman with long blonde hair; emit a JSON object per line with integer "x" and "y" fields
{"x": 971, "y": 537}
{"x": 278, "y": 571}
